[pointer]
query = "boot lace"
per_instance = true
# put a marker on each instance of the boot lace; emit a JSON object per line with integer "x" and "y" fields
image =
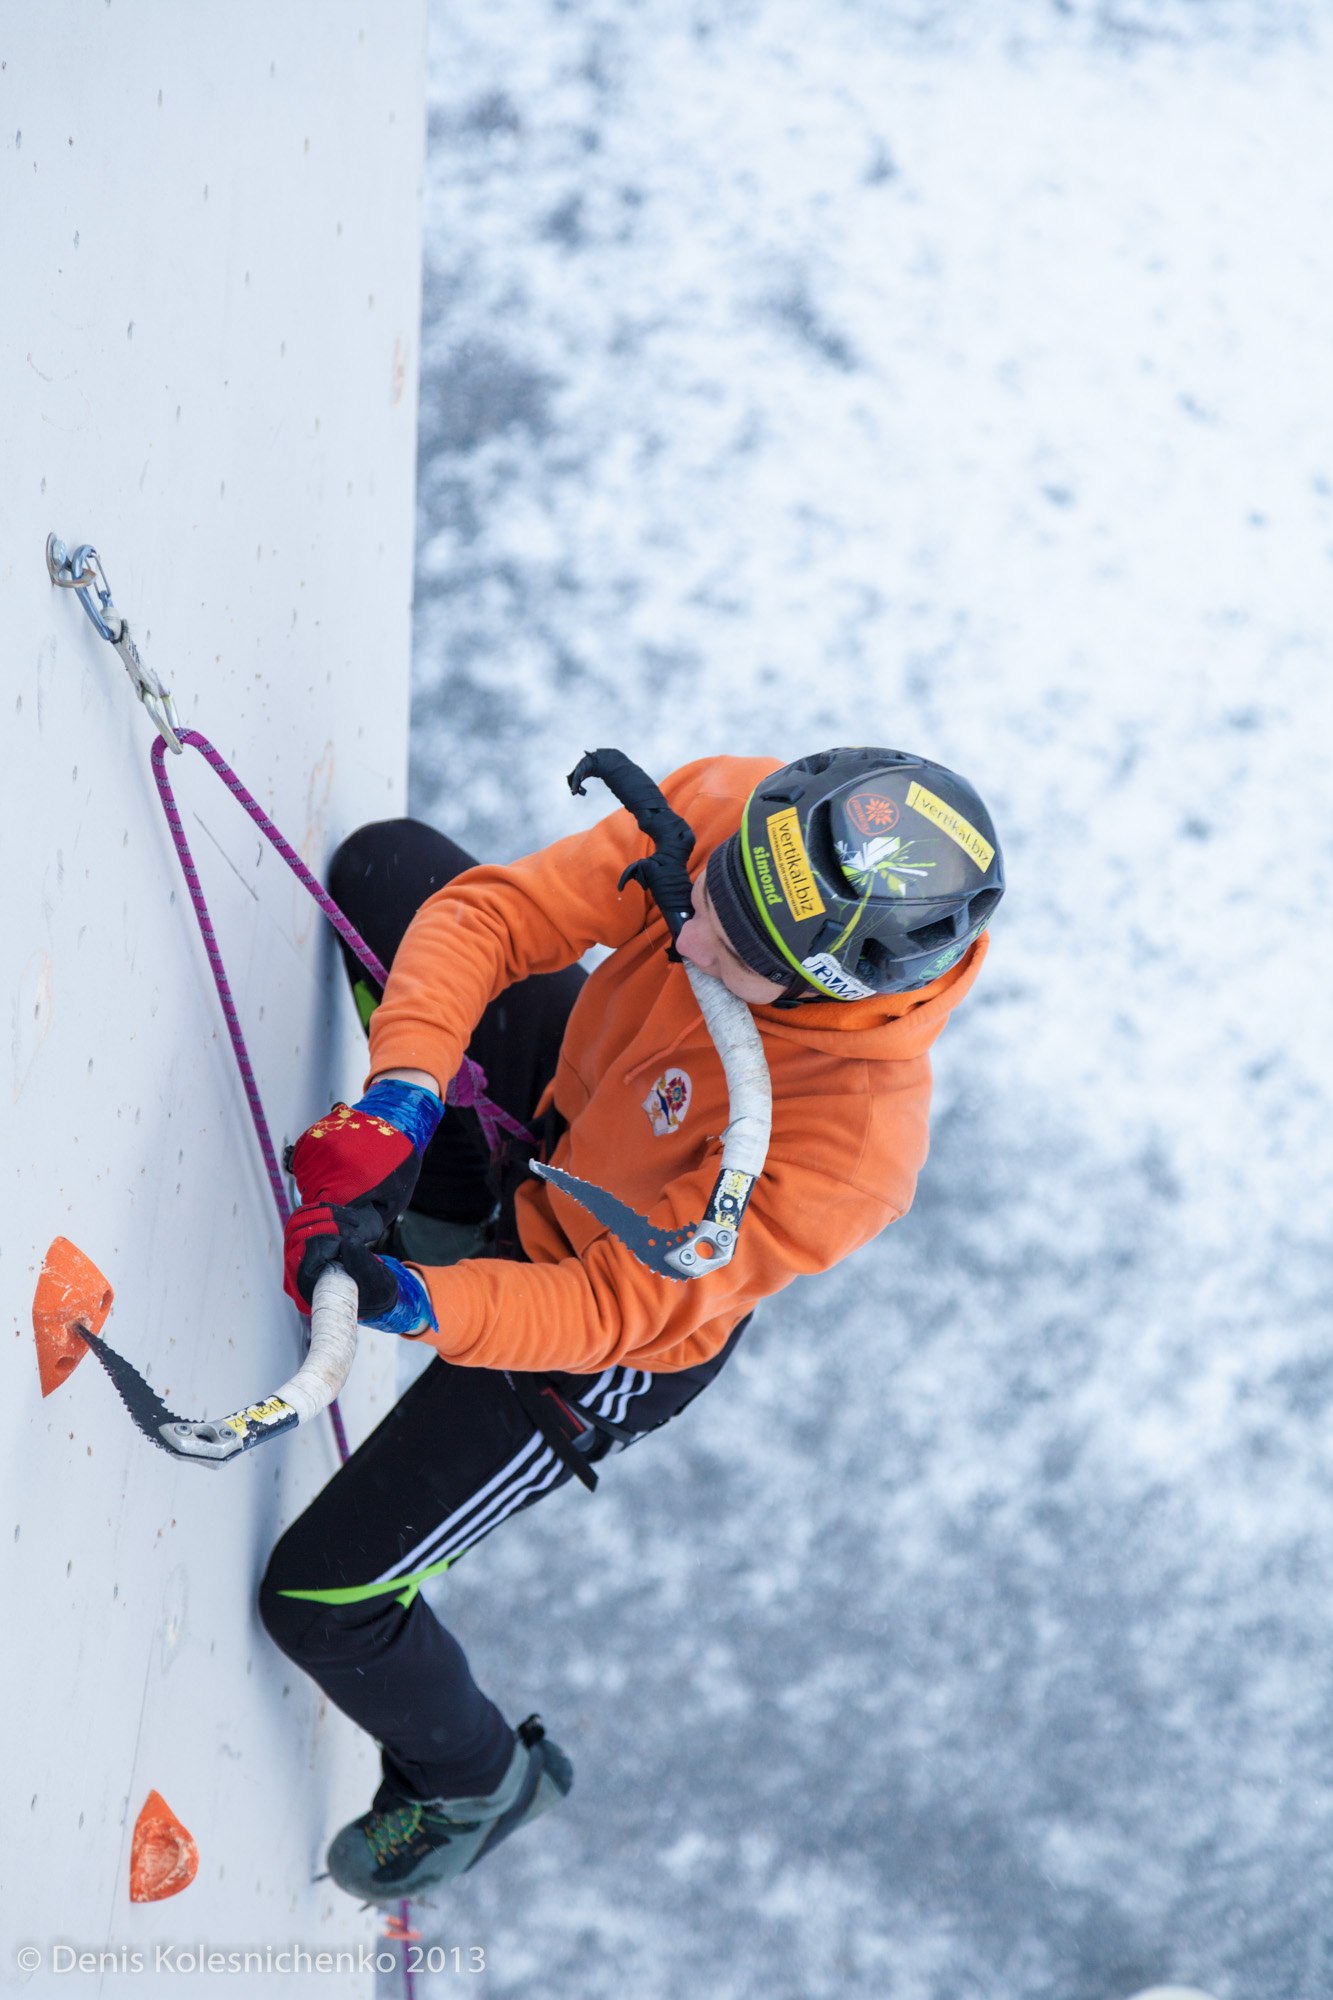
{"x": 390, "y": 1832}
{"x": 411, "y": 1825}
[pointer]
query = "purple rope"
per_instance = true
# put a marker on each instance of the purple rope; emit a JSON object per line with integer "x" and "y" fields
{"x": 467, "y": 1089}
{"x": 405, "y": 1936}
{"x": 223, "y": 985}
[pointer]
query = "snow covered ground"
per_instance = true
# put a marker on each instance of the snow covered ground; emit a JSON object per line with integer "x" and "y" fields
{"x": 955, "y": 377}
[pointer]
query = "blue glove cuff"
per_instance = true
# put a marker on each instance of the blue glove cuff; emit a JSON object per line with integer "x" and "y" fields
{"x": 411, "y": 1311}
{"x": 408, "y": 1106}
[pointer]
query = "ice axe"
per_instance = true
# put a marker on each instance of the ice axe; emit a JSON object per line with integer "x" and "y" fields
{"x": 696, "y": 1248}
{"x": 214, "y": 1440}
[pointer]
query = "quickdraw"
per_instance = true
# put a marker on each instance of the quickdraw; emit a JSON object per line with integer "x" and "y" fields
{"x": 82, "y": 572}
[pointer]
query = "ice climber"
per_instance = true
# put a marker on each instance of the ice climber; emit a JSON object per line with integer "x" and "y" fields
{"x": 844, "y": 897}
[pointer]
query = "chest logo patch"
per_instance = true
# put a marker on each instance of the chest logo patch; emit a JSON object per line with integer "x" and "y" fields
{"x": 668, "y": 1101}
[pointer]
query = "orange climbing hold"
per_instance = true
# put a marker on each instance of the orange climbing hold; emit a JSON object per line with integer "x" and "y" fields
{"x": 163, "y": 1857}
{"x": 71, "y": 1303}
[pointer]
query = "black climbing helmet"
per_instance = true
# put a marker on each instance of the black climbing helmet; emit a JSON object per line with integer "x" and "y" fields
{"x": 855, "y": 872}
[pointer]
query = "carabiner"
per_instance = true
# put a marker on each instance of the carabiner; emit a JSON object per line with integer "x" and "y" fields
{"x": 82, "y": 572}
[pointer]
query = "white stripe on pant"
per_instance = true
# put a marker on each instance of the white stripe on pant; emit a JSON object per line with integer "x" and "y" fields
{"x": 530, "y": 1471}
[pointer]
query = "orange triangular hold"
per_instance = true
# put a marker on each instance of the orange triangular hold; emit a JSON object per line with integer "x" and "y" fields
{"x": 71, "y": 1293}
{"x": 163, "y": 1857}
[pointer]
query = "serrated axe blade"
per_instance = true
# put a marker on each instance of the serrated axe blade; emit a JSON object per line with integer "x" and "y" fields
{"x": 142, "y": 1401}
{"x": 644, "y": 1239}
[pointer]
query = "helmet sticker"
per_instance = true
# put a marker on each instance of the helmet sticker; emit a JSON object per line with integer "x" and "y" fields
{"x": 885, "y": 857}
{"x": 948, "y": 821}
{"x": 763, "y": 867}
{"x": 870, "y": 812}
{"x": 793, "y": 865}
{"x": 847, "y": 867}
{"x": 668, "y": 1101}
{"x": 825, "y": 971}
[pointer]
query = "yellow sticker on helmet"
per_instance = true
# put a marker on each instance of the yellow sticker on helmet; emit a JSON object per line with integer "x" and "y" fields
{"x": 951, "y": 822}
{"x": 793, "y": 865}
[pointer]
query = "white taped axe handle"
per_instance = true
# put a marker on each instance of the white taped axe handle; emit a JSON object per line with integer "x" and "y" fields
{"x": 749, "y": 1088}
{"x": 744, "y": 1143}
{"x": 332, "y": 1349}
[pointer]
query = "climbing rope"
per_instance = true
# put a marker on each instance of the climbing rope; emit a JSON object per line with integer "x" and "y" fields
{"x": 467, "y": 1089}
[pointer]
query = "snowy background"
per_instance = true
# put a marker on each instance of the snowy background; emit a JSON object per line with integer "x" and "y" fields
{"x": 952, "y": 376}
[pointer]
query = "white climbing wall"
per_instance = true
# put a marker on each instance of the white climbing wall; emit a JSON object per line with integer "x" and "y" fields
{"x": 209, "y": 307}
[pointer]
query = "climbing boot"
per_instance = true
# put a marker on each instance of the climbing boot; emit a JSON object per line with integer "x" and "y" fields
{"x": 405, "y": 1846}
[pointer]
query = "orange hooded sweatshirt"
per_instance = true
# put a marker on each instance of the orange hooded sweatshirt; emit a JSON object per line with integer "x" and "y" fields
{"x": 641, "y": 1087}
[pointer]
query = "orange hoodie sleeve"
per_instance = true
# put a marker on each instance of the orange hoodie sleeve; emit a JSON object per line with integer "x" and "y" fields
{"x": 584, "y": 1313}
{"x": 493, "y": 926}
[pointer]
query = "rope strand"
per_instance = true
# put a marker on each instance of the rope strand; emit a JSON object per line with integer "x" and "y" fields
{"x": 467, "y": 1089}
